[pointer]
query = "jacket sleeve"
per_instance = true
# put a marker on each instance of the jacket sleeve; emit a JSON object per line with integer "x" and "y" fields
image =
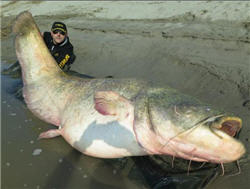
{"x": 67, "y": 58}
{"x": 46, "y": 37}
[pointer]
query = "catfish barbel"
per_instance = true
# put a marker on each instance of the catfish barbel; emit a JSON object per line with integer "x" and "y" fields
{"x": 112, "y": 118}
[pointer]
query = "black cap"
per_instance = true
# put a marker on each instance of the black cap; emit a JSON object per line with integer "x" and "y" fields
{"x": 59, "y": 26}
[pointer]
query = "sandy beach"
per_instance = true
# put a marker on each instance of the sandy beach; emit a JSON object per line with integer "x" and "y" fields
{"x": 199, "y": 48}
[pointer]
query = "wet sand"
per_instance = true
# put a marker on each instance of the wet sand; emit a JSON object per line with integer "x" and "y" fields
{"x": 202, "y": 57}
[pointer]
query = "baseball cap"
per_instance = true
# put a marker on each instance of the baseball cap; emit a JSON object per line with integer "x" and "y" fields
{"x": 59, "y": 26}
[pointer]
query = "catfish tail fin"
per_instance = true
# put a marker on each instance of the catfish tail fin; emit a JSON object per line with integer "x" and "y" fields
{"x": 33, "y": 54}
{"x": 24, "y": 24}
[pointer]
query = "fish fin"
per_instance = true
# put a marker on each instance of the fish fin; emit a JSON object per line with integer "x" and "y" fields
{"x": 24, "y": 24}
{"x": 111, "y": 103}
{"x": 50, "y": 133}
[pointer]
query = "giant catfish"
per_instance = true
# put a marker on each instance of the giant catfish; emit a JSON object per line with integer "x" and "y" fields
{"x": 112, "y": 118}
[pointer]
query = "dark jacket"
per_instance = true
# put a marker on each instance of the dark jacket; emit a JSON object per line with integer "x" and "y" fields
{"x": 63, "y": 53}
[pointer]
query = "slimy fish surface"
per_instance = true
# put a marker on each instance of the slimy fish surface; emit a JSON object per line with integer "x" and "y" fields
{"x": 112, "y": 118}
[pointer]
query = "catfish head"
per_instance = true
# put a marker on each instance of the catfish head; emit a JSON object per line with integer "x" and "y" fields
{"x": 181, "y": 126}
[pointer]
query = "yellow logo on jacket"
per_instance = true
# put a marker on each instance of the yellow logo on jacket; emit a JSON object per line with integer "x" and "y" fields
{"x": 64, "y": 61}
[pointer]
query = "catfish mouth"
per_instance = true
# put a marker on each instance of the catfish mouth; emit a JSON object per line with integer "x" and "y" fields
{"x": 231, "y": 149}
{"x": 229, "y": 125}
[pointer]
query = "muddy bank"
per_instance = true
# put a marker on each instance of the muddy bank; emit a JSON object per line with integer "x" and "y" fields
{"x": 202, "y": 49}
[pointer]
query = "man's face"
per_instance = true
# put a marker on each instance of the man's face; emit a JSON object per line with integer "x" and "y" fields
{"x": 58, "y": 36}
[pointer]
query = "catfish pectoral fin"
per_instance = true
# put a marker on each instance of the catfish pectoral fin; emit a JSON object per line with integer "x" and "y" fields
{"x": 111, "y": 103}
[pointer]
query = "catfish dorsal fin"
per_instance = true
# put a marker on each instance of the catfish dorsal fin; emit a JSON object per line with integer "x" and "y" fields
{"x": 111, "y": 103}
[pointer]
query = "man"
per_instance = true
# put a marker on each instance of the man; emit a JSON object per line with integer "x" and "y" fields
{"x": 58, "y": 43}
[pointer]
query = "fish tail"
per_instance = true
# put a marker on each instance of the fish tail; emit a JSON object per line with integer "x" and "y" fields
{"x": 31, "y": 50}
{"x": 24, "y": 24}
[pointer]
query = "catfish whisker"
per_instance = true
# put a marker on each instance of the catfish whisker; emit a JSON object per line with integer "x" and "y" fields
{"x": 196, "y": 125}
{"x": 208, "y": 119}
{"x": 223, "y": 169}
{"x": 173, "y": 161}
{"x": 212, "y": 130}
{"x": 189, "y": 166}
{"x": 202, "y": 165}
{"x": 189, "y": 130}
{"x": 239, "y": 170}
{"x": 238, "y": 165}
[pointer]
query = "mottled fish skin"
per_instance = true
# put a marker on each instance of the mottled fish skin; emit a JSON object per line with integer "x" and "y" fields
{"x": 184, "y": 127}
{"x": 111, "y": 118}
